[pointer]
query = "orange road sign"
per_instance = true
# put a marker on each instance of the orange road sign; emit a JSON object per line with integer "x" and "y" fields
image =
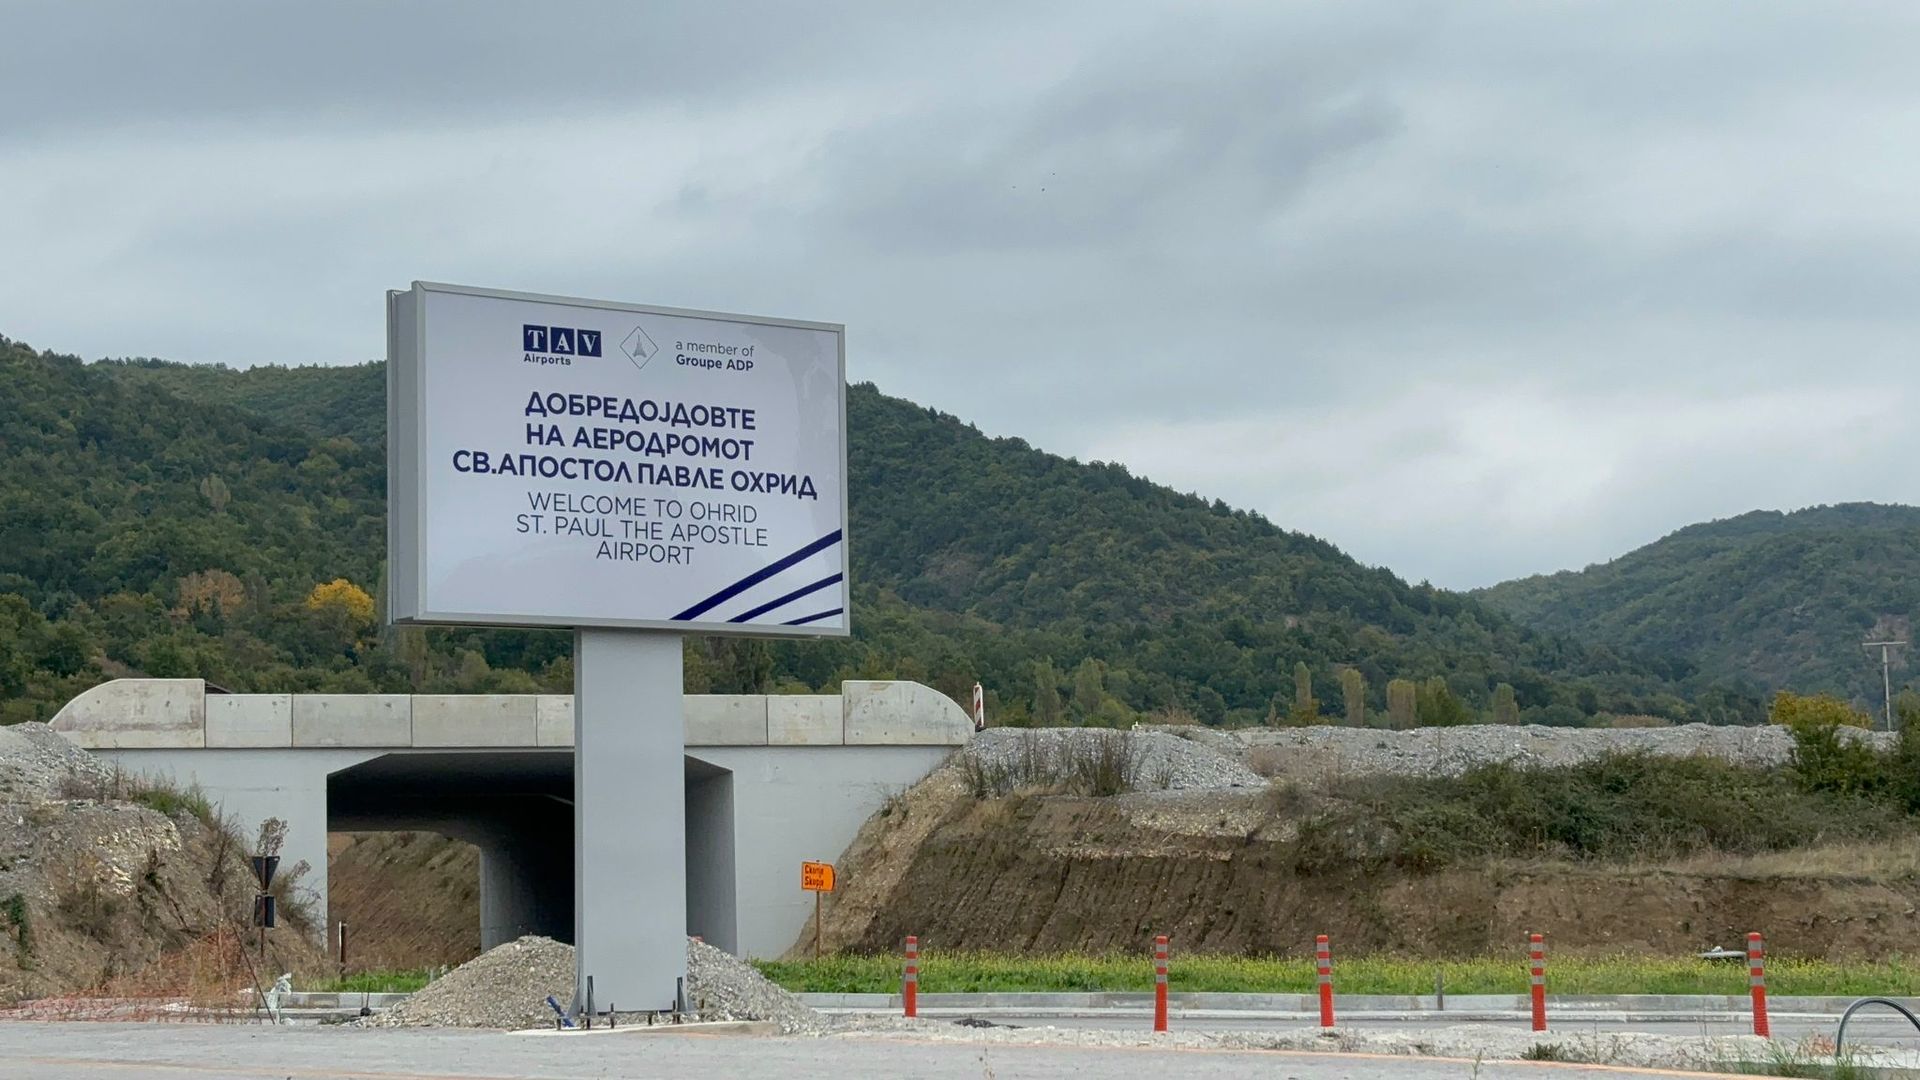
{"x": 816, "y": 876}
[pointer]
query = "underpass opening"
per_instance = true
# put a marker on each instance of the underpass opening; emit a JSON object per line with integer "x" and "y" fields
{"x": 516, "y": 807}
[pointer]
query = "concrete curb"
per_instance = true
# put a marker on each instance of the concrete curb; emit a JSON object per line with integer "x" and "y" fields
{"x": 716, "y": 1027}
{"x": 314, "y": 999}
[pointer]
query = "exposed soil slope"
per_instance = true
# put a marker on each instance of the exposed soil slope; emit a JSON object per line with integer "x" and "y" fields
{"x": 1221, "y": 871}
{"x": 409, "y": 899}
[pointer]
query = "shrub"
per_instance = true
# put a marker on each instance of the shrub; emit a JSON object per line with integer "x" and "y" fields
{"x": 1615, "y": 807}
{"x": 14, "y": 911}
{"x": 1830, "y": 755}
{"x": 171, "y": 801}
{"x": 1109, "y": 763}
{"x": 1266, "y": 761}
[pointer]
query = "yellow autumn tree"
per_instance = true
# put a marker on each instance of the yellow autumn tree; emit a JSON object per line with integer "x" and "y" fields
{"x": 1810, "y": 712}
{"x": 344, "y": 606}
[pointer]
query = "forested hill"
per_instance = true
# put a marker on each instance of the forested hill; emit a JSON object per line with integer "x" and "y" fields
{"x": 240, "y": 538}
{"x": 1783, "y": 599}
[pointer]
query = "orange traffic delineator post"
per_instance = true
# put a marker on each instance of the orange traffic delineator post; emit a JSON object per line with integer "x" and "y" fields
{"x": 1757, "y": 978}
{"x": 1537, "y": 970}
{"x": 910, "y": 978}
{"x": 1323, "y": 960}
{"x": 1160, "y": 983}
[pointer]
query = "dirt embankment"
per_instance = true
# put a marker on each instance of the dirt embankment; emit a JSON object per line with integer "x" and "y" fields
{"x": 1220, "y": 871}
{"x": 1066, "y": 873}
{"x": 409, "y": 899}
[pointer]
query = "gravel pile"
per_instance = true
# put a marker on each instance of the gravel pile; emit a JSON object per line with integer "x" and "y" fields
{"x": 721, "y": 986}
{"x": 1452, "y": 750}
{"x": 504, "y": 987}
{"x": 1064, "y": 757}
{"x": 507, "y": 987}
{"x": 36, "y": 763}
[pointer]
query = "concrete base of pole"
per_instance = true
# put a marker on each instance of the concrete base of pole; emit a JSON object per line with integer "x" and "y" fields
{"x": 629, "y": 818}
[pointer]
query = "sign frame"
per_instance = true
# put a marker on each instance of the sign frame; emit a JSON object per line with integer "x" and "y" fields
{"x": 407, "y": 528}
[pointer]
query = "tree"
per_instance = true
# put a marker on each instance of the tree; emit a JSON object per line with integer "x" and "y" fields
{"x": 1822, "y": 759}
{"x": 1305, "y": 709}
{"x": 68, "y": 651}
{"x": 1047, "y": 711}
{"x": 344, "y": 596}
{"x": 1089, "y": 690}
{"x": 1506, "y": 707}
{"x": 1353, "y": 695}
{"x": 1439, "y": 707}
{"x": 216, "y": 592}
{"x": 410, "y": 646}
{"x": 14, "y": 667}
{"x": 1401, "y": 703}
{"x": 746, "y": 666}
{"x": 217, "y": 494}
{"x": 1813, "y": 711}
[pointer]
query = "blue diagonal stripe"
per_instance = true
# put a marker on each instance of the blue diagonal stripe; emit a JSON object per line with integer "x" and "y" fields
{"x": 757, "y": 577}
{"x": 787, "y": 599}
{"x": 813, "y": 618}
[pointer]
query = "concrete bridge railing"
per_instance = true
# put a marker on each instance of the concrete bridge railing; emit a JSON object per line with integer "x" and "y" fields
{"x": 182, "y": 714}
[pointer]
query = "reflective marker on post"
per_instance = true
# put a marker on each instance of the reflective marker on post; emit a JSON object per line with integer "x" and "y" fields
{"x": 1323, "y": 959}
{"x": 1537, "y": 957}
{"x": 910, "y": 980}
{"x": 1757, "y": 977}
{"x": 1160, "y": 983}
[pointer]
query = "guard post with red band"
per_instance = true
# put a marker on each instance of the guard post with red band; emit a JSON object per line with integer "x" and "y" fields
{"x": 1323, "y": 961}
{"x": 1160, "y": 983}
{"x": 910, "y": 978}
{"x": 1537, "y": 968}
{"x": 1757, "y": 979}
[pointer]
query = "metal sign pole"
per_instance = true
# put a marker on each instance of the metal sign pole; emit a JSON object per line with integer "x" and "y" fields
{"x": 629, "y": 817}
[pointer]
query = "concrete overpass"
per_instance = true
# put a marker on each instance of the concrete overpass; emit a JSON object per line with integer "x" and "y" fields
{"x": 771, "y": 780}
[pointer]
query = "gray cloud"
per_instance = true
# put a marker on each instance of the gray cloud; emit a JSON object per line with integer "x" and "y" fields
{"x": 1471, "y": 289}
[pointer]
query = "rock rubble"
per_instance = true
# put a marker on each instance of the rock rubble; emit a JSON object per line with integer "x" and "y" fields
{"x": 1447, "y": 751}
{"x": 1152, "y": 760}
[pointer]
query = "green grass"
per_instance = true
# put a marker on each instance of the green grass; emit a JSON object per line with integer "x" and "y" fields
{"x": 979, "y": 972}
{"x": 170, "y": 800}
{"x": 376, "y": 982}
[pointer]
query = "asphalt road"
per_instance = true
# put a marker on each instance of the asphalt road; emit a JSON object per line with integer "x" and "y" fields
{"x": 92, "y": 1051}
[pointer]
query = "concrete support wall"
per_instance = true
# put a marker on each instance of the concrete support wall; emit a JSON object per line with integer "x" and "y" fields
{"x": 711, "y": 869}
{"x": 526, "y": 879}
{"x": 770, "y": 781}
{"x": 801, "y": 803}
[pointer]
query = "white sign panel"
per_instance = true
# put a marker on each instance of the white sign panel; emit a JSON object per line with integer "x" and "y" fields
{"x": 561, "y": 462}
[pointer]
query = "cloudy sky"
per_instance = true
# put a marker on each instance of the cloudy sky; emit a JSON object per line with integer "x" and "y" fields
{"x": 1473, "y": 290}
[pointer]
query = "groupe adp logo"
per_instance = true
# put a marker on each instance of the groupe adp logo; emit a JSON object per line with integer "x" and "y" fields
{"x": 559, "y": 340}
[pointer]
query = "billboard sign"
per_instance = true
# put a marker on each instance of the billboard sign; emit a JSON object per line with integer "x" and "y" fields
{"x": 576, "y": 463}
